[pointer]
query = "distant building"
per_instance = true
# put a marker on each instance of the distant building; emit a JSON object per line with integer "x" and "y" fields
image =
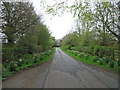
{"x": 58, "y": 42}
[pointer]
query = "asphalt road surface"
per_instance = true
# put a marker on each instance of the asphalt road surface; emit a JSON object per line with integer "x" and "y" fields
{"x": 62, "y": 72}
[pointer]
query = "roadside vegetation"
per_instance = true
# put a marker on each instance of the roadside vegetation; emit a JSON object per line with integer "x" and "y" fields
{"x": 26, "y": 41}
{"x": 26, "y": 61}
{"x": 87, "y": 58}
{"x": 95, "y": 38}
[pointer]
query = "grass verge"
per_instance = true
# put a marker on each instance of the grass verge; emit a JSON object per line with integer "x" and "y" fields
{"x": 93, "y": 60}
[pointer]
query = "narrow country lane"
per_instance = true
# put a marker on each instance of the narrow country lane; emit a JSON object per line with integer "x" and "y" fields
{"x": 62, "y": 72}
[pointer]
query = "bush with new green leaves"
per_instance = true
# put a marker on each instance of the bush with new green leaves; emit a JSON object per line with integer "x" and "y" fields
{"x": 101, "y": 62}
{"x": 12, "y": 67}
{"x": 41, "y": 58}
{"x": 8, "y": 54}
{"x": 118, "y": 62}
{"x": 87, "y": 57}
{"x": 100, "y": 51}
{"x": 95, "y": 59}
{"x": 35, "y": 59}
{"x": 106, "y": 60}
{"x": 111, "y": 64}
{"x": 25, "y": 61}
{"x": 81, "y": 55}
{"x": 19, "y": 63}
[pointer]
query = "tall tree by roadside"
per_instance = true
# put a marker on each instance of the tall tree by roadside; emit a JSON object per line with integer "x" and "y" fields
{"x": 17, "y": 17}
{"x": 24, "y": 31}
{"x": 100, "y": 17}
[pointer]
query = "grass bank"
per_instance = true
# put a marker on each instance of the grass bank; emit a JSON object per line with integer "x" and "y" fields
{"x": 94, "y": 60}
{"x": 12, "y": 67}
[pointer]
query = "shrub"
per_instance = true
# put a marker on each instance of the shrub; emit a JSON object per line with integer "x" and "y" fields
{"x": 26, "y": 61}
{"x": 90, "y": 50}
{"x": 87, "y": 57}
{"x": 106, "y": 60}
{"x": 75, "y": 54}
{"x": 28, "y": 56}
{"x": 5, "y": 72}
{"x": 41, "y": 58}
{"x": 101, "y": 51}
{"x": 72, "y": 52}
{"x": 72, "y": 48}
{"x": 8, "y": 54}
{"x": 81, "y": 55}
{"x": 118, "y": 62}
{"x": 101, "y": 62}
{"x": 35, "y": 61}
{"x": 12, "y": 67}
{"x": 19, "y": 63}
{"x": 3, "y": 68}
{"x": 111, "y": 64}
{"x": 95, "y": 59}
{"x": 5, "y": 64}
{"x": 47, "y": 53}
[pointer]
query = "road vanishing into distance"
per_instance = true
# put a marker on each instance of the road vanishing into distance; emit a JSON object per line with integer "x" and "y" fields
{"x": 62, "y": 72}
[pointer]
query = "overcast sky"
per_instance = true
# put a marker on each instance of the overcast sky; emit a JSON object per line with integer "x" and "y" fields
{"x": 58, "y": 26}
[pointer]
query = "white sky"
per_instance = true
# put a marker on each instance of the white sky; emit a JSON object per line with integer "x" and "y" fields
{"x": 58, "y": 26}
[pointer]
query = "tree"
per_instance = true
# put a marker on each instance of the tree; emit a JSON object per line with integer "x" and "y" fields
{"x": 105, "y": 13}
{"x": 44, "y": 37}
{"x": 98, "y": 16}
{"x": 70, "y": 40}
{"x": 25, "y": 32}
{"x": 18, "y": 17}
